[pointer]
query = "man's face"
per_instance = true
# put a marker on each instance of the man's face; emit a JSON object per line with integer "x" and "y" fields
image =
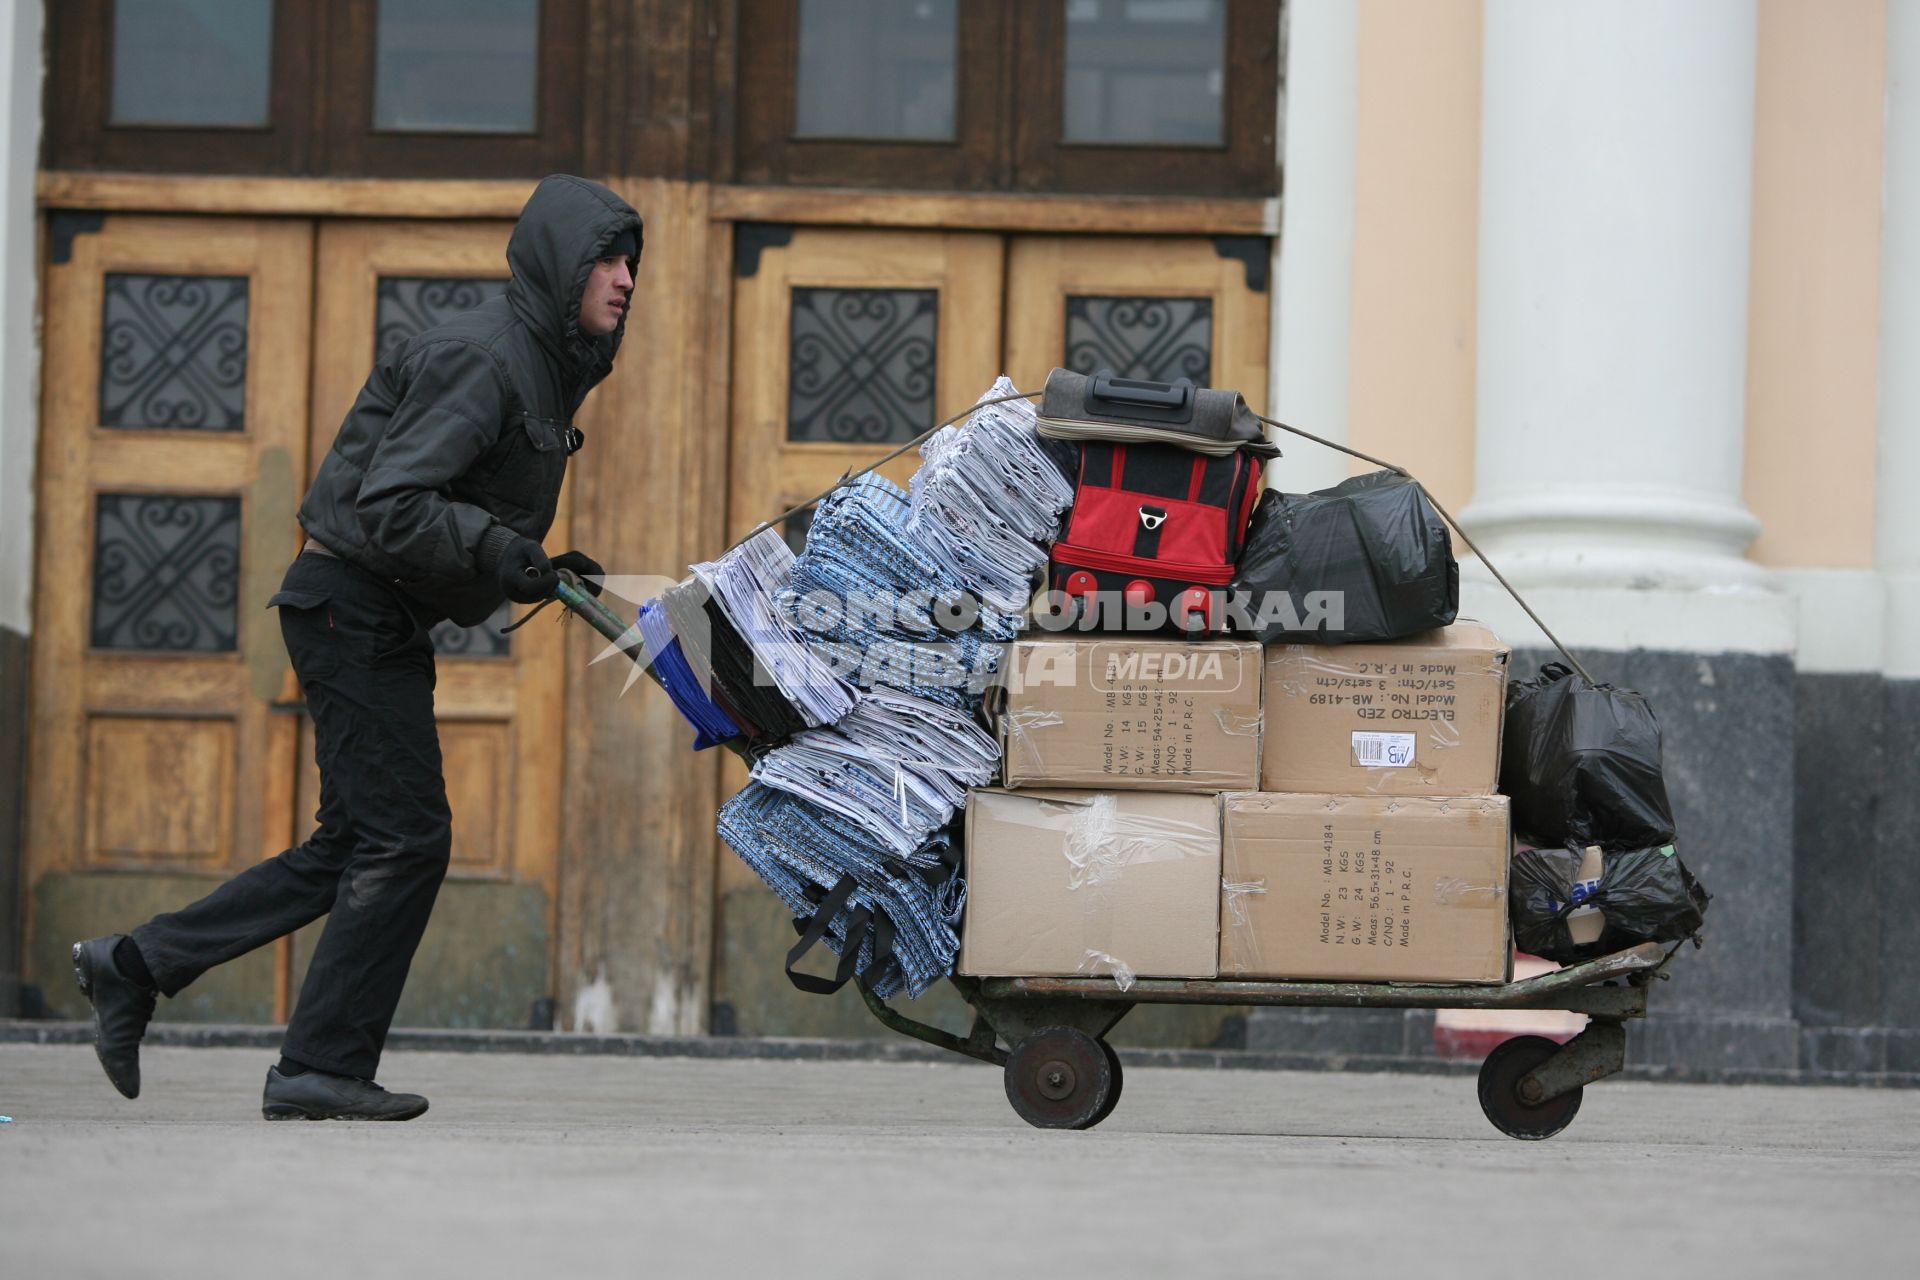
{"x": 605, "y": 299}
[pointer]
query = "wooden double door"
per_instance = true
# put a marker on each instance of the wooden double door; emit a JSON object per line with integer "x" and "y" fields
{"x": 847, "y": 343}
{"x": 196, "y": 371}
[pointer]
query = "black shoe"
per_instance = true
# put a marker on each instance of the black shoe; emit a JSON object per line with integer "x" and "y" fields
{"x": 121, "y": 1010}
{"x": 316, "y": 1095}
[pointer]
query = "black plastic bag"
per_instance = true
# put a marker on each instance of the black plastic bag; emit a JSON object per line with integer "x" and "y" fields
{"x": 1581, "y": 763}
{"x": 1646, "y": 895}
{"x": 1376, "y": 539}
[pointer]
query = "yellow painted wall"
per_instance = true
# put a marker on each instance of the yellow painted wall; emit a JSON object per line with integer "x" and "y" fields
{"x": 1416, "y": 210}
{"x": 1813, "y": 333}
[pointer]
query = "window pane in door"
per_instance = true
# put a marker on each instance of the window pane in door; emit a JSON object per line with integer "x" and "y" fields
{"x": 191, "y": 63}
{"x": 456, "y": 66}
{"x": 876, "y": 69}
{"x": 1146, "y": 72}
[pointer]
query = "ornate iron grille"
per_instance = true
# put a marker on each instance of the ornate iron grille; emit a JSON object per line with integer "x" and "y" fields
{"x": 861, "y": 364}
{"x": 173, "y": 353}
{"x": 406, "y": 305}
{"x": 403, "y": 307}
{"x": 166, "y": 572}
{"x": 1159, "y": 339}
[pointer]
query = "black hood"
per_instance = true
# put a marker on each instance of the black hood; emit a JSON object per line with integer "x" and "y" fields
{"x": 566, "y": 226}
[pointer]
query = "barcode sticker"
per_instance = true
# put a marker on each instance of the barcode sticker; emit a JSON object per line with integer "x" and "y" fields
{"x": 1383, "y": 750}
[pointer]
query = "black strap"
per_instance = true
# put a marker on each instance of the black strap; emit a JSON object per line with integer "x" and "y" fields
{"x": 816, "y": 929}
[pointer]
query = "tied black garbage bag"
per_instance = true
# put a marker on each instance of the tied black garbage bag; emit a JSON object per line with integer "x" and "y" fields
{"x": 1645, "y": 895}
{"x": 1375, "y": 539}
{"x": 1581, "y": 764}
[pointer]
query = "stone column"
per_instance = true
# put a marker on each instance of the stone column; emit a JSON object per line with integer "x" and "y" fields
{"x": 1616, "y": 188}
{"x": 1897, "y": 538}
{"x": 1616, "y": 185}
{"x": 1313, "y": 303}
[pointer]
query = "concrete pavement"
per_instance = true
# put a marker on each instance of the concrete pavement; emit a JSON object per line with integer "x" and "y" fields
{"x": 673, "y": 1167}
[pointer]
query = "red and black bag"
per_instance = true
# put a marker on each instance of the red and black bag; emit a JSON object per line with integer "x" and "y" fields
{"x": 1155, "y": 525}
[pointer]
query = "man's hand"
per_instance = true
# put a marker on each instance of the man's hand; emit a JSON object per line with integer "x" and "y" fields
{"x": 585, "y": 565}
{"x": 526, "y": 575}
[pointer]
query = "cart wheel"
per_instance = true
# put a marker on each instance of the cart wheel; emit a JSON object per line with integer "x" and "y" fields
{"x": 1060, "y": 1078}
{"x": 1113, "y": 1094}
{"x": 1500, "y": 1076}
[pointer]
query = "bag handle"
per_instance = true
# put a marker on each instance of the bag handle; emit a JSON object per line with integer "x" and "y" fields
{"x": 816, "y": 928}
{"x": 1110, "y": 388}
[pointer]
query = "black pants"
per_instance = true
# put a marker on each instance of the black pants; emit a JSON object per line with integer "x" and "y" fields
{"x": 375, "y": 865}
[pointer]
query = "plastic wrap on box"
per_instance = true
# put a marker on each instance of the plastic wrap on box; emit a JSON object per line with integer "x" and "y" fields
{"x": 1133, "y": 714}
{"x": 1419, "y": 716}
{"x": 1066, "y": 883}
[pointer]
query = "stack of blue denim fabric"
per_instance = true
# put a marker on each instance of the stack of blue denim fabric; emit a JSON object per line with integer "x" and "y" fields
{"x": 865, "y": 593}
{"x": 799, "y": 849}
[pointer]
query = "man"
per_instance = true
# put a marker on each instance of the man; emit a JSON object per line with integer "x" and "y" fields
{"x": 430, "y": 505}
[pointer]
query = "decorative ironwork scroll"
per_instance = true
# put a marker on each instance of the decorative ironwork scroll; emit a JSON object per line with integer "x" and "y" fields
{"x": 406, "y": 305}
{"x": 166, "y": 572}
{"x": 862, "y": 363}
{"x": 173, "y": 353}
{"x": 1158, "y": 339}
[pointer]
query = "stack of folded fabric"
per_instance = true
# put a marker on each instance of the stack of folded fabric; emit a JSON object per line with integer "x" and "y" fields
{"x": 744, "y": 583}
{"x": 987, "y": 502}
{"x": 804, "y": 853}
{"x": 898, "y": 767}
{"x": 910, "y": 598}
{"x": 864, "y": 592}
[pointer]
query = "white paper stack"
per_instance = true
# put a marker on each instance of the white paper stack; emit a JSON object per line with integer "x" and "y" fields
{"x": 898, "y": 767}
{"x": 744, "y": 582}
{"x": 987, "y": 501}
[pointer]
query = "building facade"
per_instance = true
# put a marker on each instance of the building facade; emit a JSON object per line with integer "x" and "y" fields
{"x": 1624, "y": 283}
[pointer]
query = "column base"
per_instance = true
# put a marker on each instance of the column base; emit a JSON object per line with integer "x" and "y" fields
{"x": 1749, "y": 617}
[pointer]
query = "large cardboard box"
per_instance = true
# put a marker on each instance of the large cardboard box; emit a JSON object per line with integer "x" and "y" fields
{"x": 1364, "y": 888}
{"x": 1414, "y": 717}
{"x": 1119, "y": 712}
{"x": 1064, "y": 883}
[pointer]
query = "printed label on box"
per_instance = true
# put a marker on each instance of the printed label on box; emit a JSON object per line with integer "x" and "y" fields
{"x": 1383, "y": 750}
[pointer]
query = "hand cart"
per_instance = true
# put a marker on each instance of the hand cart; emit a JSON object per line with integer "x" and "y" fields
{"x": 1048, "y": 1034}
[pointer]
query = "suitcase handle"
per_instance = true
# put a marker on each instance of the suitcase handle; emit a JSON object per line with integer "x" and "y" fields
{"x": 1139, "y": 393}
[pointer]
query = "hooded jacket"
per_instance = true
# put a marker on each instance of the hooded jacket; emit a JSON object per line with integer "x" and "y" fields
{"x": 459, "y": 440}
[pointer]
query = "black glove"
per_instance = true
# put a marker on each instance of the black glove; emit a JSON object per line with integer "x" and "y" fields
{"x": 583, "y": 564}
{"x": 526, "y": 575}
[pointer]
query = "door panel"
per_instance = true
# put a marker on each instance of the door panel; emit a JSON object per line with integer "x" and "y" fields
{"x": 173, "y": 452}
{"x": 500, "y": 696}
{"x": 847, "y": 344}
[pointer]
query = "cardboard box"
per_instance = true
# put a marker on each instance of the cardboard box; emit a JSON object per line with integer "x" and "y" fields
{"x": 1066, "y": 883}
{"x": 1365, "y": 888}
{"x": 1414, "y": 717}
{"x": 1119, "y": 712}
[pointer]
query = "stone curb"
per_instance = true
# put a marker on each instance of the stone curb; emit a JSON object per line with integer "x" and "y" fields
{"x": 212, "y": 1036}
